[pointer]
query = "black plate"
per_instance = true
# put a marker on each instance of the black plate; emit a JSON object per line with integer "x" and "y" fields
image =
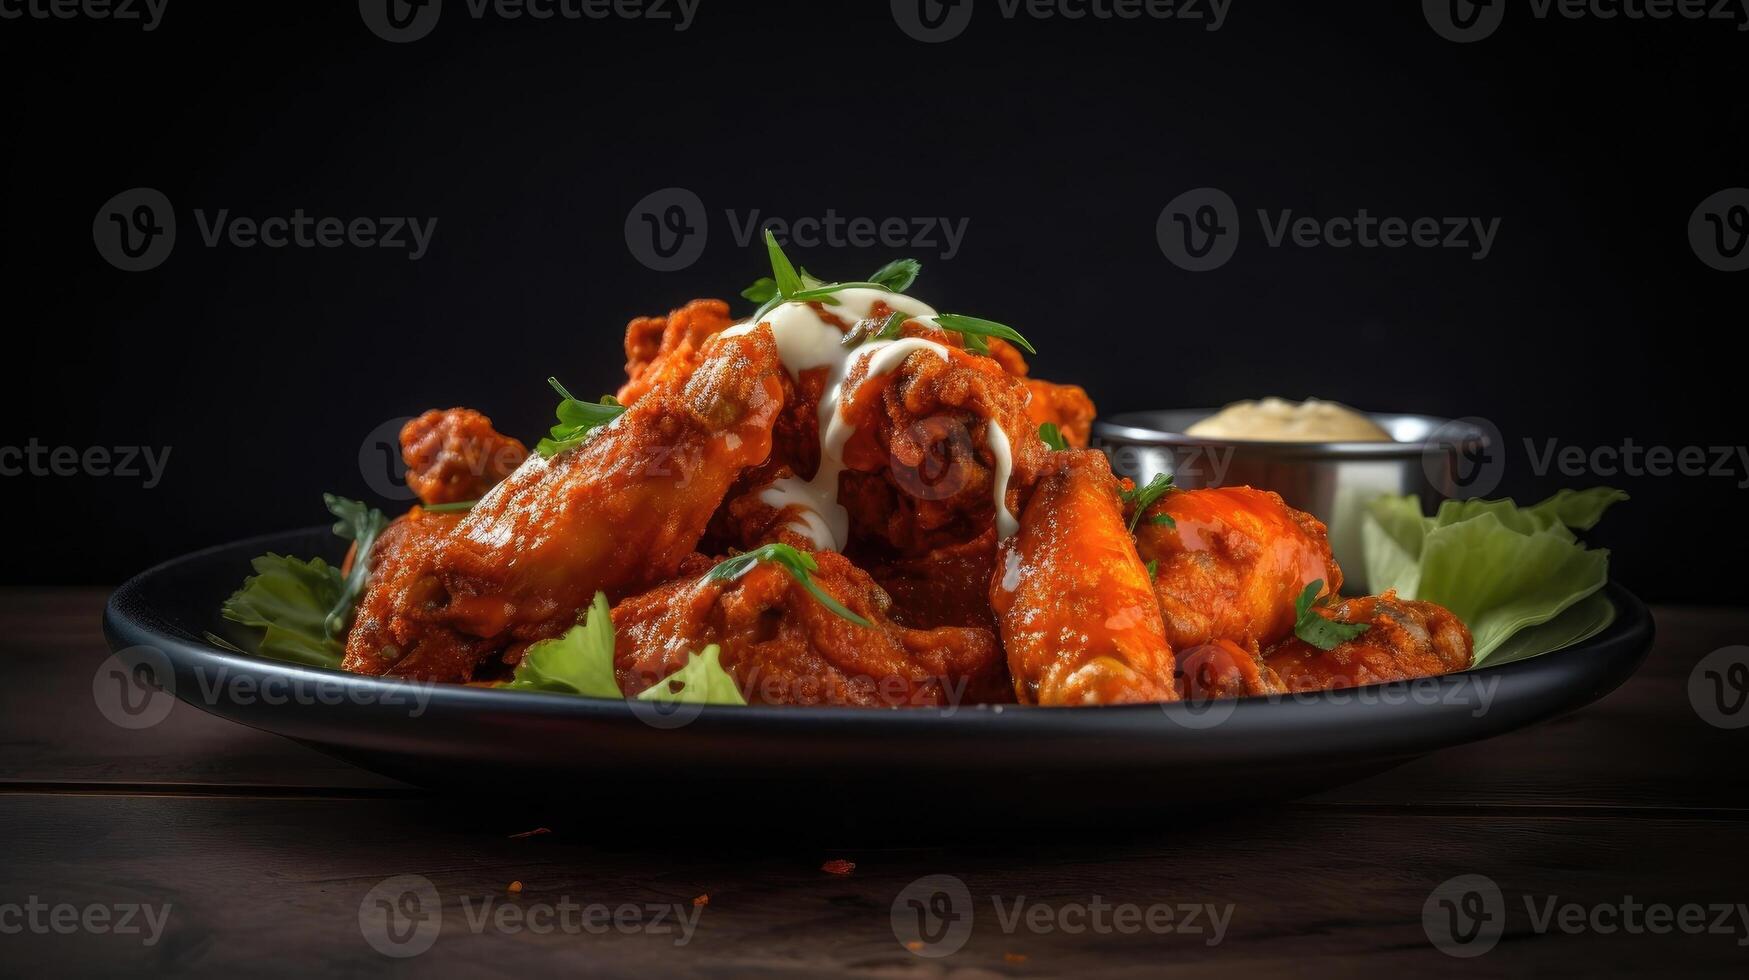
{"x": 1040, "y": 763}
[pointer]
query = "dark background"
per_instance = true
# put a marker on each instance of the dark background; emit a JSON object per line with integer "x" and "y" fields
{"x": 265, "y": 371}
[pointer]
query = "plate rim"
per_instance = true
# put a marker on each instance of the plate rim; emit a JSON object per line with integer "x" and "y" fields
{"x": 1579, "y": 675}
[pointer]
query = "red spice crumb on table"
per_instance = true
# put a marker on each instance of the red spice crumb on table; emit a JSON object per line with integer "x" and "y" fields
{"x": 838, "y": 866}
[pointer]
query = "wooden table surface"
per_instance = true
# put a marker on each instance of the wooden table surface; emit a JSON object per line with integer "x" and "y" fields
{"x": 1616, "y": 838}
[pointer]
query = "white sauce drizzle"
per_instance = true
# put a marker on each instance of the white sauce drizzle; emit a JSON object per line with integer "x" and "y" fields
{"x": 806, "y": 340}
{"x": 1006, "y": 525}
{"x": 1011, "y": 570}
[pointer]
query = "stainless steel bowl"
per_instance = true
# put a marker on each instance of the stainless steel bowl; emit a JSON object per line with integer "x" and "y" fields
{"x": 1332, "y": 480}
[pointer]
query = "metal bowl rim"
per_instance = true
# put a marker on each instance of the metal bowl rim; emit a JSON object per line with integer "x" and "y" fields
{"x": 1121, "y": 429}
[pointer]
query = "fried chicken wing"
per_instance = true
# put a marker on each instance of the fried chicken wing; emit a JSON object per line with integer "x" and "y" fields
{"x": 1405, "y": 639}
{"x": 949, "y": 586}
{"x": 455, "y": 455}
{"x": 618, "y": 513}
{"x": 1224, "y": 669}
{"x": 1065, "y": 406}
{"x": 1079, "y": 622}
{"x": 667, "y": 349}
{"x": 1231, "y": 564}
{"x": 931, "y": 442}
{"x": 783, "y": 646}
{"x": 400, "y": 571}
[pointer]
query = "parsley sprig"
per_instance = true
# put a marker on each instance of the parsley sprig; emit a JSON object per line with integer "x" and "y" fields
{"x": 788, "y": 285}
{"x": 578, "y": 421}
{"x": 1052, "y": 436}
{"x": 1143, "y": 497}
{"x": 1323, "y": 633}
{"x": 797, "y": 563}
{"x": 361, "y": 525}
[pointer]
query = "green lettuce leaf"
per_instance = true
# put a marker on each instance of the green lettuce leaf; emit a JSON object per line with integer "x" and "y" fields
{"x": 579, "y": 662}
{"x": 1501, "y": 568}
{"x": 289, "y": 600}
{"x": 1582, "y": 620}
{"x": 702, "y": 681}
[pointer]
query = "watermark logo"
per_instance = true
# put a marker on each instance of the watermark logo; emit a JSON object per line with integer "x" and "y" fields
{"x": 134, "y": 688}
{"x": 668, "y": 229}
{"x": 1199, "y": 229}
{"x": 935, "y": 21}
{"x": 1464, "y": 21}
{"x": 401, "y": 916}
{"x": 380, "y": 461}
{"x": 1719, "y": 688}
{"x": 1719, "y": 230}
{"x": 403, "y": 21}
{"x": 147, "y": 13}
{"x": 135, "y": 230}
{"x": 1465, "y": 458}
{"x": 1465, "y": 916}
{"x": 934, "y": 459}
{"x": 933, "y": 916}
{"x": 1632, "y": 459}
{"x": 932, "y": 21}
{"x": 400, "y": 21}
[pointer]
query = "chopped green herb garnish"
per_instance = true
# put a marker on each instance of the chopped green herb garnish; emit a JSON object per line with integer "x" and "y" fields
{"x": 889, "y": 329}
{"x": 897, "y": 275}
{"x": 762, "y": 290}
{"x": 1143, "y": 497}
{"x": 786, "y": 285}
{"x": 360, "y": 525}
{"x": 1164, "y": 520}
{"x": 455, "y": 507}
{"x": 1319, "y": 631}
{"x": 1052, "y": 436}
{"x": 783, "y": 272}
{"x": 578, "y": 421}
{"x": 797, "y": 563}
{"x": 1153, "y": 567}
{"x": 974, "y": 330}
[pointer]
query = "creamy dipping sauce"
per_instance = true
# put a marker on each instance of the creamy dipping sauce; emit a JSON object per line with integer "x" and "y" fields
{"x": 1280, "y": 420}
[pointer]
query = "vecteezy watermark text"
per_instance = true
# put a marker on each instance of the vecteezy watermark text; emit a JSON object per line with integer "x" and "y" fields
{"x": 1199, "y": 230}
{"x": 35, "y": 459}
{"x": 935, "y": 21}
{"x": 403, "y": 916}
{"x": 1634, "y": 460}
{"x": 401, "y": 21}
{"x": 933, "y": 916}
{"x": 136, "y": 231}
{"x": 136, "y": 688}
{"x": 147, "y": 13}
{"x": 1465, "y": 21}
{"x": 667, "y": 230}
{"x": 35, "y": 916}
{"x": 1465, "y": 916}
